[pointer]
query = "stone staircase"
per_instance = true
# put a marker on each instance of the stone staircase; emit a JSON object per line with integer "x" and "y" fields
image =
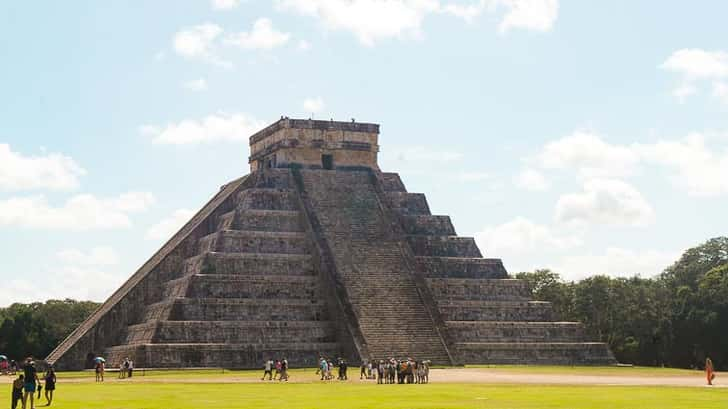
{"x": 370, "y": 263}
{"x": 249, "y": 292}
{"x": 489, "y": 318}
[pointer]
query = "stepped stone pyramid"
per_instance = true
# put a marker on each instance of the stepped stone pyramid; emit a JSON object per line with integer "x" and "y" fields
{"x": 317, "y": 251}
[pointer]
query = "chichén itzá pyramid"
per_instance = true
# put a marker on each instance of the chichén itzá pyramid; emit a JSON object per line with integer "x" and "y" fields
{"x": 319, "y": 252}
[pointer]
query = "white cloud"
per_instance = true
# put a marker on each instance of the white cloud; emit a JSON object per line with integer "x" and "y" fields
{"x": 48, "y": 171}
{"x": 313, "y": 105}
{"x": 683, "y": 91}
{"x": 170, "y": 225}
{"x": 700, "y": 170}
{"x": 520, "y": 237}
{"x": 537, "y": 15}
{"x": 198, "y": 85}
{"x": 374, "y": 20}
{"x": 720, "y": 91}
{"x": 616, "y": 262}
{"x": 589, "y": 155}
{"x": 262, "y": 37}
{"x": 224, "y": 4}
{"x": 424, "y": 154}
{"x": 92, "y": 283}
{"x": 605, "y": 201}
{"x": 235, "y": 127}
{"x": 303, "y": 45}
{"x": 80, "y": 212}
{"x": 369, "y": 20}
{"x": 467, "y": 12}
{"x": 78, "y": 274}
{"x": 530, "y": 179}
{"x": 198, "y": 42}
{"x": 97, "y": 256}
{"x": 474, "y": 176}
{"x": 695, "y": 64}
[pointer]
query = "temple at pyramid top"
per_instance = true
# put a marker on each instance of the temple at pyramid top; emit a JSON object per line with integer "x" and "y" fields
{"x": 315, "y": 144}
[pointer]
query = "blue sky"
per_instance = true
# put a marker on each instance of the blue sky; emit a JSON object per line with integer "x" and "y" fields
{"x": 588, "y": 137}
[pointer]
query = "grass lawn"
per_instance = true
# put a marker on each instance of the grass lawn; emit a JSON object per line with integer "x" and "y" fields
{"x": 216, "y": 388}
{"x": 115, "y": 395}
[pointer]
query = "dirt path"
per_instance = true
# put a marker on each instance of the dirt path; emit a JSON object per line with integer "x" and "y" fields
{"x": 453, "y": 375}
{"x": 491, "y": 376}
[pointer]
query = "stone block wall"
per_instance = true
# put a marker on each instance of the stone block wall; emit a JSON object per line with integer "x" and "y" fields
{"x": 488, "y": 317}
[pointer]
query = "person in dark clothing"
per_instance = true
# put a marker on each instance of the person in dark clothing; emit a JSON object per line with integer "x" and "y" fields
{"x": 342, "y": 370}
{"x": 17, "y": 394}
{"x": 31, "y": 380}
{"x": 50, "y": 385}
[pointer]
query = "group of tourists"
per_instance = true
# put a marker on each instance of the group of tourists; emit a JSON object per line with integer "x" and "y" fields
{"x": 326, "y": 369}
{"x": 280, "y": 366}
{"x": 28, "y": 383}
{"x": 126, "y": 368}
{"x": 390, "y": 371}
{"x": 8, "y": 366}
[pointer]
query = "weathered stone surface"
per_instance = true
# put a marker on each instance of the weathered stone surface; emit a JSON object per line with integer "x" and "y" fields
{"x": 515, "y": 331}
{"x": 479, "y": 289}
{"x": 548, "y": 353}
{"x": 295, "y": 261}
{"x": 460, "y": 267}
{"x": 443, "y": 246}
{"x": 409, "y": 203}
{"x": 426, "y": 224}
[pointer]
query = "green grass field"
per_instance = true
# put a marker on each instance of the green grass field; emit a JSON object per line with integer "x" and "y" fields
{"x": 212, "y": 388}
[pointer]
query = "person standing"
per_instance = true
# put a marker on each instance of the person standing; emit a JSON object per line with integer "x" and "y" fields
{"x": 278, "y": 369}
{"x": 268, "y": 370}
{"x": 100, "y": 366}
{"x": 709, "y": 374}
{"x": 17, "y": 394}
{"x": 284, "y": 370}
{"x": 323, "y": 368}
{"x": 50, "y": 385}
{"x": 122, "y": 372}
{"x": 131, "y": 367}
{"x": 31, "y": 381}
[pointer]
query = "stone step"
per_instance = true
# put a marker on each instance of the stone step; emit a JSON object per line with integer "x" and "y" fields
{"x": 495, "y": 310}
{"x": 408, "y": 203}
{"x": 443, "y": 246}
{"x": 515, "y": 331}
{"x": 479, "y": 289}
{"x": 370, "y": 262}
{"x": 268, "y": 220}
{"x": 249, "y": 309}
{"x": 543, "y": 353}
{"x": 253, "y": 286}
{"x": 254, "y": 332}
{"x": 248, "y": 241}
{"x": 460, "y": 267}
{"x": 391, "y": 182}
{"x": 279, "y": 178}
{"x": 221, "y": 355}
{"x": 250, "y": 264}
{"x": 427, "y": 225}
{"x": 267, "y": 199}
{"x": 226, "y": 221}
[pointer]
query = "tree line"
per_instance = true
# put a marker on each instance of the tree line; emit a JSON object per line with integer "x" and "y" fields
{"x": 37, "y": 328}
{"x": 675, "y": 319}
